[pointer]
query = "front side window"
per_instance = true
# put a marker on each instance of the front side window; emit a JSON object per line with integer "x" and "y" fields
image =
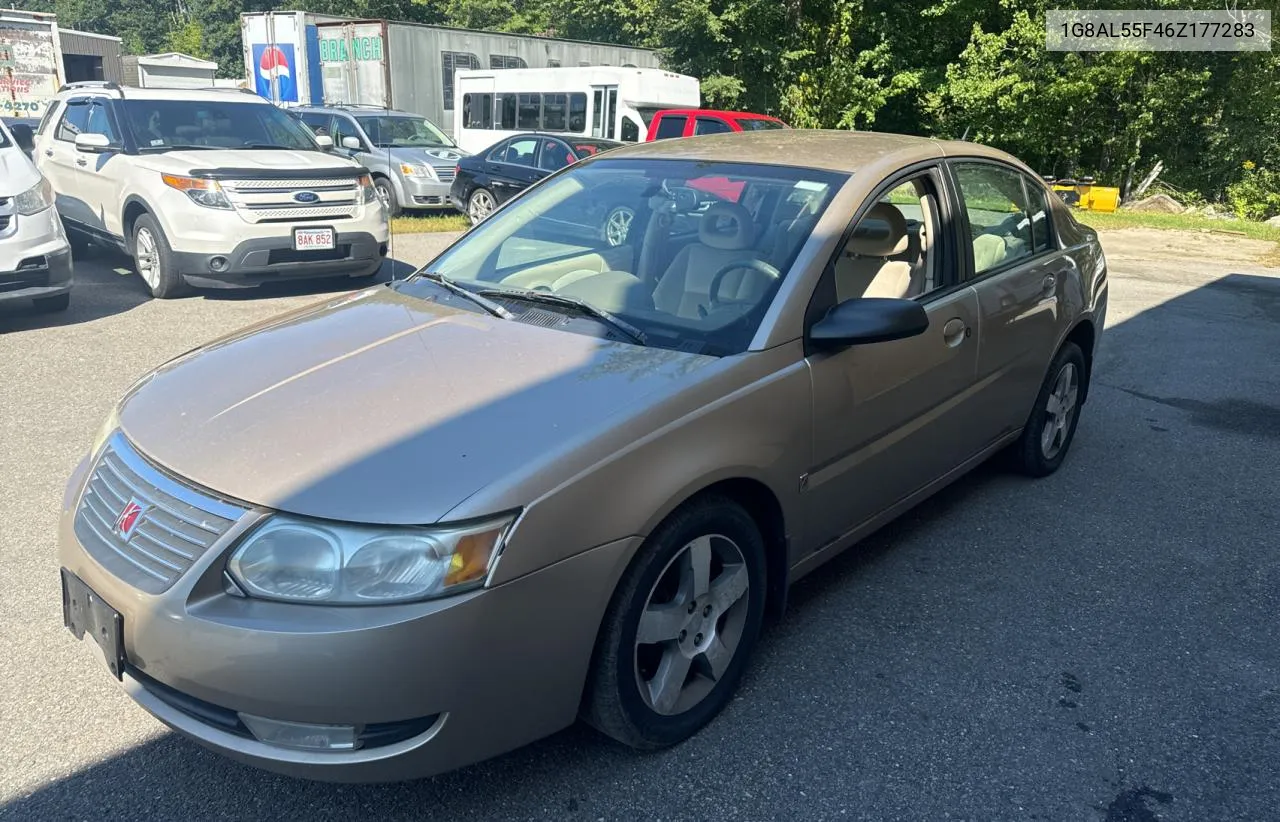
{"x": 100, "y": 122}
{"x": 999, "y": 220}
{"x": 74, "y": 121}
{"x": 671, "y": 125}
{"x": 163, "y": 125}
{"x": 700, "y": 279}
{"x": 398, "y": 130}
{"x": 893, "y": 251}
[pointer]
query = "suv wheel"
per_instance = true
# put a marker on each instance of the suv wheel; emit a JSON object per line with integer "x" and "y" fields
{"x": 387, "y": 193}
{"x": 680, "y": 628}
{"x": 154, "y": 259}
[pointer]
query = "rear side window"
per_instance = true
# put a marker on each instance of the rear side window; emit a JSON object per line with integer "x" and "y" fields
{"x": 74, "y": 121}
{"x": 670, "y": 126}
{"x": 710, "y": 125}
{"x": 1041, "y": 227}
{"x": 318, "y": 123}
{"x": 759, "y": 125}
{"x": 999, "y": 218}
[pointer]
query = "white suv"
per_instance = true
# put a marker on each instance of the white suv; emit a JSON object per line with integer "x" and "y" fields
{"x": 35, "y": 260}
{"x": 215, "y": 188}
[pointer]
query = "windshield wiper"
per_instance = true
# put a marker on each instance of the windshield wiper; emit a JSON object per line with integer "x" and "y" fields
{"x": 582, "y": 305}
{"x": 449, "y": 285}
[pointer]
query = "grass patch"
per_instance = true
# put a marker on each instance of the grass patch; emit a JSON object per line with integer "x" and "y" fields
{"x": 1176, "y": 222}
{"x": 429, "y": 223}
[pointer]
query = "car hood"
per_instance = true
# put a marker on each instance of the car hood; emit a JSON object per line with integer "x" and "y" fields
{"x": 17, "y": 174}
{"x": 386, "y": 408}
{"x": 441, "y": 156}
{"x": 183, "y": 162}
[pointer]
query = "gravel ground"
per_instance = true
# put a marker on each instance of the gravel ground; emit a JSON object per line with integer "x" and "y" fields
{"x": 1099, "y": 645}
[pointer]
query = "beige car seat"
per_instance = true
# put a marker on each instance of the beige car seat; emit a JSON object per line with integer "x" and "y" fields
{"x": 865, "y": 268}
{"x": 725, "y": 235}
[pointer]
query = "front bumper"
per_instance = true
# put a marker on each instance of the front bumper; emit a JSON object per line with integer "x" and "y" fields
{"x": 271, "y": 259}
{"x": 35, "y": 259}
{"x": 457, "y": 680}
{"x": 424, "y": 193}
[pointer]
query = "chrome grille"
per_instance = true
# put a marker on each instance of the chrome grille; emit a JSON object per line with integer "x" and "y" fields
{"x": 271, "y": 200}
{"x": 446, "y": 174}
{"x": 176, "y": 527}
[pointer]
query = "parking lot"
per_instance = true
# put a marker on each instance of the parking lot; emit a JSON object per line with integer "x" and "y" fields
{"x": 1100, "y": 644}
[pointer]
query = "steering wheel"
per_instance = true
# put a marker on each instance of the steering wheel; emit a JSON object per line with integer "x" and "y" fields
{"x": 759, "y": 266}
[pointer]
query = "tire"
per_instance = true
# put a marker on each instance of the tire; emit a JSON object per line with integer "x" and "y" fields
{"x": 153, "y": 259}
{"x": 623, "y": 694}
{"x": 79, "y": 244}
{"x": 1038, "y": 453}
{"x": 54, "y": 304}
{"x": 480, "y": 204}
{"x": 387, "y": 193}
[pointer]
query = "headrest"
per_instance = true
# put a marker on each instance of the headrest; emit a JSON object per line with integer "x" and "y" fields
{"x": 881, "y": 233}
{"x": 727, "y": 226}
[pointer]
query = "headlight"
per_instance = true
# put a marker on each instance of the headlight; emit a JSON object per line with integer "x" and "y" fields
{"x": 367, "y": 190}
{"x": 204, "y": 192}
{"x": 35, "y": 199}
{"x": 415, "y": 170}
{"x": 301, "y": 560}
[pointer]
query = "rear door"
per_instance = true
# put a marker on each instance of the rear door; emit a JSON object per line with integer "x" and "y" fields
{"x": 711, "y": 125}
{"x": 1019, "y": 273}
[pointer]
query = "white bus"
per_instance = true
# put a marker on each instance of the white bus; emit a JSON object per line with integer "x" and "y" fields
{"x": 612, "y": 102}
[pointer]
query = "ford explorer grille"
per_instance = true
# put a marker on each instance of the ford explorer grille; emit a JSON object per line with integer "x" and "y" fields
{"x": 277, "y": 200}
{"x": 175, "y": 527}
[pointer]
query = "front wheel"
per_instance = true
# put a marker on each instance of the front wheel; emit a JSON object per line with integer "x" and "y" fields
{"x": 1052, "y": 425}
{"x": 154, "y": 259}
{"x": 680, "y": 628}
{"x": 387, "y": 194}
{"x": 480, "y": 205}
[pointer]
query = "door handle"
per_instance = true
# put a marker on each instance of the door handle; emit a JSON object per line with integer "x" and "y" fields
{"x": 82, "y": 162}
{"x": 955, "y": 332}
{"x": 1050, "y": 282}
{"x": 48, "y": 152}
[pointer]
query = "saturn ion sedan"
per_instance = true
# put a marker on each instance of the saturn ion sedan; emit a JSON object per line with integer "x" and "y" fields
{"x": 549, "y": 477}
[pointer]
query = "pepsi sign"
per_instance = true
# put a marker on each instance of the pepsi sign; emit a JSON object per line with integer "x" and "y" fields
{"x": 275, "y": 74}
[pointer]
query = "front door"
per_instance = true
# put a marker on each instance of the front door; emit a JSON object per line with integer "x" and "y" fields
{"x": 58, "y": 161}
{"x": 604, "y": 115}
{"x": 96, "y": 180}
{"x": 890, "y": 418}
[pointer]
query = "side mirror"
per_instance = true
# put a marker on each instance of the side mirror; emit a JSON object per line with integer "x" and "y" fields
{"x": 352, "y": 143}
{"x": 324, "y": 142}
{"x": 867, "y": 320}
{"x": 92, "y": 143}
{"x": 24, "y": 137}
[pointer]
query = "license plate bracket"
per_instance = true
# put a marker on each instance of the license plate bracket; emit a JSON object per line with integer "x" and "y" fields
{"x": 320, "y": 238}
{"x": 84, "y": 612}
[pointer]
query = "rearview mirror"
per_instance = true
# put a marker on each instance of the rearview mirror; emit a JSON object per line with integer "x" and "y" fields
{"x": 324, "y": 142}
{"x": 352, "y": 143}
{"x": 24, "y": 137}
{"x": 92, "y": 143}
{"x": 866, "y": 320}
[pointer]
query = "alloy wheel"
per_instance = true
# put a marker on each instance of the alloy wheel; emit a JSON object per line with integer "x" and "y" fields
{"x": 147, "y": 258}
{"x": 1060, "y": 410}
{"x": 480, "y": 207}
{"x": 692, "y": 624}
{"x": 618, "y": 225}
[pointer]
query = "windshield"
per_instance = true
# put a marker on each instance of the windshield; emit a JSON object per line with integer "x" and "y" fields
{"x": 168, "y": 124}
{"x": 646, "y": 113}
{"x": 690, "y": 253}
{"x": 756, "y": 124}
{"x": 390, "y": 131}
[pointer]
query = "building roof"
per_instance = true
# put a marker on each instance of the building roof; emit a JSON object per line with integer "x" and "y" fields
{"x": 176, "y": 58}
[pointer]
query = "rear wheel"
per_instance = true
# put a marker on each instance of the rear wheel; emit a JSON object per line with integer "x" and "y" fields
{"x": 680, "y": 628}
{"x": 154, "y": 259}
{"x": 1051, "y": 427}
{"x": 50, "y": 305}
{"x": 387, "y": 193}
{"x": 480, "y": 205}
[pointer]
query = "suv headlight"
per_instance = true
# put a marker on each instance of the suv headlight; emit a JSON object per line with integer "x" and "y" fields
{"x": 368, "y": 192}
{"x": 310, "y": 561}
{"x": 207, "y": 193}
{"x": 35, "y": 199}
{"x": 416, "y": 170}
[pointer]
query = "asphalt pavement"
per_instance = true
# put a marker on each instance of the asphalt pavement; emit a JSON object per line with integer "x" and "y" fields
{"x": 1098, "y": 645}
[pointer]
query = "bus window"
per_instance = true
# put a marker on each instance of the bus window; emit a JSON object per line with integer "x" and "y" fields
{"x": 630, "y": 131}
{"x": 477, "y": 110}
{"x": 505, "y": 111}
{"x": 528, "y": 111}
{"x": 578, "y": 113}
{"x": 553, "y": 111}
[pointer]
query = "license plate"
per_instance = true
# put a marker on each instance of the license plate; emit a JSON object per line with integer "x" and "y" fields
{"x": 84, "y": 612}
{"x": 313, "y": 239}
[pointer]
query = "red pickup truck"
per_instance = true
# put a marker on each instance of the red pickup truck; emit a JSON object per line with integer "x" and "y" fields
{"x": 690, "y": 122}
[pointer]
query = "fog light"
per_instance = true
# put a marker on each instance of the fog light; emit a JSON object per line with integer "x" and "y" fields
{"x": 218, "y": 264}
{"x": 301, "y": 735}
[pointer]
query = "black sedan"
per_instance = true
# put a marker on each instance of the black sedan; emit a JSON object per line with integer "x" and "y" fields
{"x": 488, "y": 179}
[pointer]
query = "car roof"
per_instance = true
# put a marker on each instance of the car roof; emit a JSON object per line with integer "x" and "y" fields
{"x": 357, "y": 110}
{"x": 193, "y": 95}
{"x": 830, "y": 150}
{"x": 732, "y": 115}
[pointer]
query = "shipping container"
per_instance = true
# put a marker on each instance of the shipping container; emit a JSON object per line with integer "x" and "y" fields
{"x": 299, "y": 58}
{"x": 31, "y": 69}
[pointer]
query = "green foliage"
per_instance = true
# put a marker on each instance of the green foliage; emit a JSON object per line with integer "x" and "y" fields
{"x": 188, "y": 39}
{"x": 1256, "y": 195}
